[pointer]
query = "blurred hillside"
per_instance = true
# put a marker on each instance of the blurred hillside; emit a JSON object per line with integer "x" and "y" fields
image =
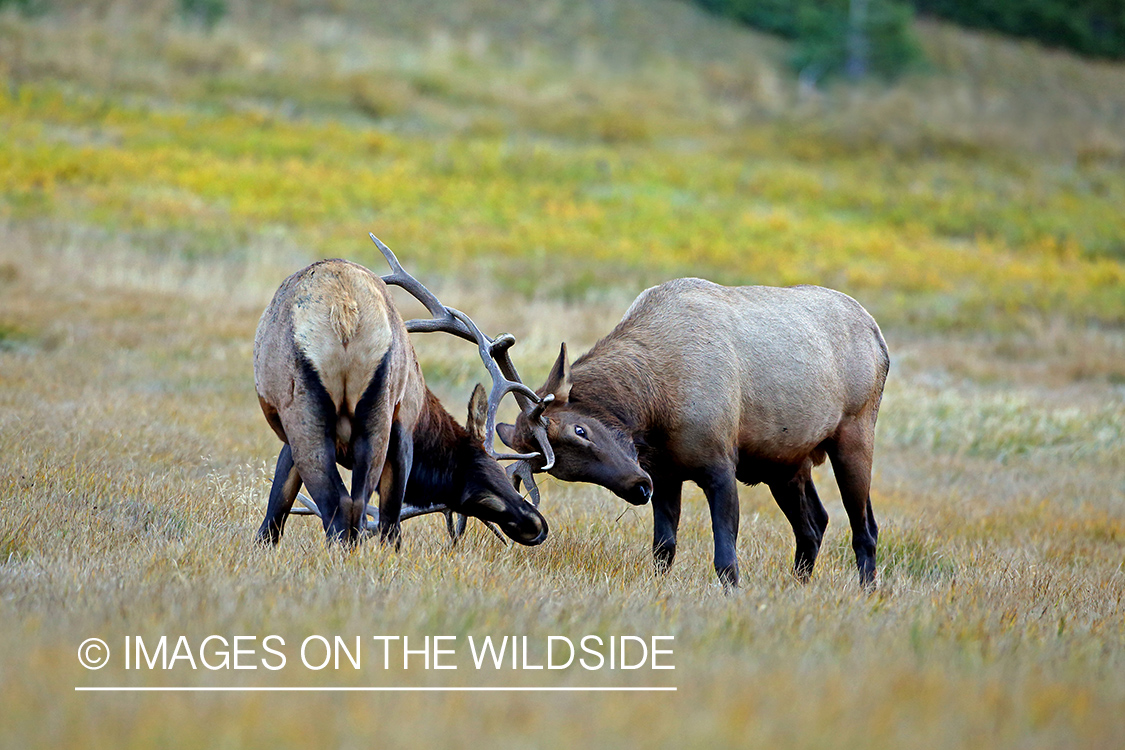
{"x": 622, "y": 69}
{"x": 569, "y": 146}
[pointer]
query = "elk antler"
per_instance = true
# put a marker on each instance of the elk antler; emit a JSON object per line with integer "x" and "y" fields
{"x": 494, "y": 355}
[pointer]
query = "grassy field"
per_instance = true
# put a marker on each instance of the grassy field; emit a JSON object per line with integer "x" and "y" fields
{"x": 539, "y": 166}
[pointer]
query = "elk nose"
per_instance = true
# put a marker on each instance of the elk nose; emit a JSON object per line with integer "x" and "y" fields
{"x": 640, "y": 493}
{"x": 535, "y": 531}
{"x": 539, "y": 539}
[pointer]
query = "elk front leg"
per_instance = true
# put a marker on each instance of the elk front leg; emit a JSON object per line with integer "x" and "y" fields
{"x": 286, "y": 485}
{"x": 666, "y": 496}
{"x": 722, "y": 496}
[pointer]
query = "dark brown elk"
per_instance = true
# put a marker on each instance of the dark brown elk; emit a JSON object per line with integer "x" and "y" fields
{"x": 715, "y": 384}
{"x": 339, "y": 382}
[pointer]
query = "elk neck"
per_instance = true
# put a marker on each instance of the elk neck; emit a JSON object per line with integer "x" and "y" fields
{"x": 438, "y": 472}
{"x": 614, "y": 383}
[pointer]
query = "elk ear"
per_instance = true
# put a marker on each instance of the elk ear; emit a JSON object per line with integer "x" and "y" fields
{"x": 478, "y": 413}
{"x": 558, "y": 382}
{"x": 507, "y": 433}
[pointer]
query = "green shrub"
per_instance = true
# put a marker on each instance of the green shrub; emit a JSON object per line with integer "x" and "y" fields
{"x": 204, "y": 12}
{"x": 25, "y": 7}
{"x": 830, "y": 38}
{"x": 776, "y": 16}
{"x": 824, "y": 37}
{"x": 1090, "y": 27}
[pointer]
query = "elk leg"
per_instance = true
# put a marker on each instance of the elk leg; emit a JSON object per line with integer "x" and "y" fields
{"x": 362, "y": 486}
{"x": 797, "y": 498}
{"x": 313, "y": 446}
{"x": 367, "y": 461}
{"x": 666, "y": 496}
{"x": 309, "y": 422}
{"x": 814, "y": 509}
{"x": 400, "y": 459}
{"x": 327, "y": 489}
{"x": 286, "y": 485}
{"x": 872, "y": 527}
{"x": 722, "y": 497}
{"x": 851, "y": 461}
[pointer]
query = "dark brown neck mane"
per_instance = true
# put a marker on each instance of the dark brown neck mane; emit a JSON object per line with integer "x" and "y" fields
{"x": 438, "y": 444}
{"x": 614, "y": 382}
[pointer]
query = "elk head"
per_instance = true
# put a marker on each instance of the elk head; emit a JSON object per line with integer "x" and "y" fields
{"x": 589, "y": 443}
{"x": 487, "y": 493}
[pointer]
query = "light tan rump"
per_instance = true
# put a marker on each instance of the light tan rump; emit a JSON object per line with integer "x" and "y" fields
{"x": 340, "y": 324}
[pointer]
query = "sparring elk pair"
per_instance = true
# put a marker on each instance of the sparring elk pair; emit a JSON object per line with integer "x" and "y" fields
{"x": 339, "y": 382}
{"x": 697, "y": 382}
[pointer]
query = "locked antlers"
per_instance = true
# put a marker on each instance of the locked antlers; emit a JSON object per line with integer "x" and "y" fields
{"x": 494, "y": 355}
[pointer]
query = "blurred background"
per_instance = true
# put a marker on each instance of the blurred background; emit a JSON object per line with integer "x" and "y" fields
{"x": 952, "y": 163}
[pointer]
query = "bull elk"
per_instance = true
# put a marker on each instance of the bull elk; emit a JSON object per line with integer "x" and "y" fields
{"x": 339, "y": 382}
{"x": 715, "y": 384}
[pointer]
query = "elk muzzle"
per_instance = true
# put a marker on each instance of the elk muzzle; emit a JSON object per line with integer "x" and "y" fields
{"x": 517, "y": 518}
{"x": 529, "y": 530}
{"x": 639, "y": 493}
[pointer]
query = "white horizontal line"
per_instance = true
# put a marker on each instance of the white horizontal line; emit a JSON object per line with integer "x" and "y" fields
{"x": 374, "y": 689}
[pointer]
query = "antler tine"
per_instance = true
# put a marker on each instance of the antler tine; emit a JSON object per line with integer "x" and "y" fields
{"x": 442, "y": 319}
{"x": 500, "y": 346}
{"x": 521, "y": 471}
{"x": 536, "y": 412}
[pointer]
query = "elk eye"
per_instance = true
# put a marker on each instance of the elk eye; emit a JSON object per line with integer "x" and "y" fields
{"x": 579, "y": 430}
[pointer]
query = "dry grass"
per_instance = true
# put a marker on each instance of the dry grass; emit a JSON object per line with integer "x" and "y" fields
{"x": 136, "y": 468}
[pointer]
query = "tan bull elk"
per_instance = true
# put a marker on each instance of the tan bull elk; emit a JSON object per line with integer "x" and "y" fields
{"x": 339, "y": 382}
{"x": 715, "y": 384}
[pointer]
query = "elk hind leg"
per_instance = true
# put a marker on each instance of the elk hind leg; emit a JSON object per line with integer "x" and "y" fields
{"x": 286, "y": 485}
{"x": 392, "y": 487}
{"x": 327, "y": 489}
{"x": 851, "y": 456}
{"x": 313, "y": 441}
{"x": 370, "y": 440}
{"x": 362, "y": 484}
{"x": 797, "y": 498}
{"x": 368, "y": 460}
